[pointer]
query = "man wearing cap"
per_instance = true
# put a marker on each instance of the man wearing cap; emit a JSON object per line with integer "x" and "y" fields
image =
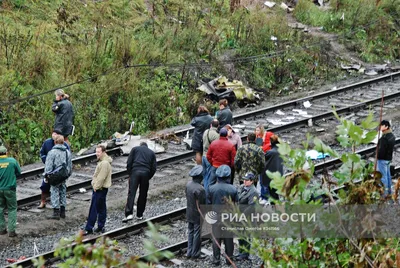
{"x": 63, "y": 109}
{"x": 195, "y": 196}
{"x": 247, "y": 196}
{"x": 46, "y": 148}
{"x": 385, "y": 154}
{"x": 9, "y": 170}
{"x": 222, "y": 193}
{"x": 221, "y": 152}
{"x": 249, "y": 158}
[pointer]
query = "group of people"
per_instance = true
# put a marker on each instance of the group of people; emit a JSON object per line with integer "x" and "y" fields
{"x": 217, "y": 143}
{"x": 219, "y": 153}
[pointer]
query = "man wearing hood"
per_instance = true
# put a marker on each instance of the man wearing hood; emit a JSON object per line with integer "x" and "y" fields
{"x": 58, "y": 156}
{"x": 101, "y": 182}
{"x": 195, "y": 196}
{"x": 222, "y": 193}
{"x": 385, "y": 155}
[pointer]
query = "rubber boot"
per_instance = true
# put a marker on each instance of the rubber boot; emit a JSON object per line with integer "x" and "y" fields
{"x": 42, "y": 201}
{"x": 56, "y": 214}
{"x": 62, "y": 212}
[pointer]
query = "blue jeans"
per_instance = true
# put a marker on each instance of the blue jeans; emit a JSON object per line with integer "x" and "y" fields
{"x": 98, "y": 210}
{"x": 206, "y": 173}
{"x": 264, "y": 192}
{"x": 383, "y": 167}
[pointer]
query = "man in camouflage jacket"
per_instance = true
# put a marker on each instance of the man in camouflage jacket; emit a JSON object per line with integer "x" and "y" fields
{"x": 249, "y": 158}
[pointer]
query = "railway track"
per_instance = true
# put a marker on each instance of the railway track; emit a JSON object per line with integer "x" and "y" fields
{"x": 350, "y": 100}
{"x": 179, "y": 214}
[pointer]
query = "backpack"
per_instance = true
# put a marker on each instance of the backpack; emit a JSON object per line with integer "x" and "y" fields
{"x": 59, "y": 174}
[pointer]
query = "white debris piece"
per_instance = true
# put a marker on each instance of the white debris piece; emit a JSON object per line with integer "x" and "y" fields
{"x": 274, "y": 38}
{"x": 269, "y": 4}
{"x": 301, "y": 112}
{"x": 135, "y": 140}
{"x": 371, "y": 72}
{"x": 82, "y": 190}
{"x": 276, "y": 122}
{"x": 279, "y": 112}
{"x": 307, "y": 104}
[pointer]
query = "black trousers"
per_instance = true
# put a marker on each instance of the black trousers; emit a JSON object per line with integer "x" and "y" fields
{"x": 194, "y": 239}
{"x": 229, "y": 246}
{"x": 138, "y": 179}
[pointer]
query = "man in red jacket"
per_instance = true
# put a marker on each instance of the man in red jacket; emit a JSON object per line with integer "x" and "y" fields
{"x": 221, "y": 152}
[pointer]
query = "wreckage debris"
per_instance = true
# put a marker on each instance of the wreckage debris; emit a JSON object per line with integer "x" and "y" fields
{"x": 221, "y": 88}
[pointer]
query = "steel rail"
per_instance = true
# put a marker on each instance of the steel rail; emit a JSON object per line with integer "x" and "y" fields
{"x": 138, "y": 227}
{"x": 77, "y": 160}
{"x": 296, "y": 102}
{"x": 115, "y": 176}
{"x": 117, "y": 233}
{"x": 188, "y": 155}
{"x": 271, "y": 109}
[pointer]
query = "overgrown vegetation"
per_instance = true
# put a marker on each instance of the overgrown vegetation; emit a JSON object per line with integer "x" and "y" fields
{"x": 369, "y": 27}
{"x": 116, "y": 48}
{"x": 299, "y": 189}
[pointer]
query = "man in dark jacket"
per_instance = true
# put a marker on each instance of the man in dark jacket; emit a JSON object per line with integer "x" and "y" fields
{"x": 9, "y": 170}
{"x": 385, "y": 154}
{"x": 195, "y": 196}
{"x": 46, "y": 148}
{"x": 221, "y": 193}
{"x": 200, "y": 122}
{"x": 63, "y": 109}
{"x": 224, "y": 114}
{"x": 247, "y": 197}
{"x": 141, "y": 167}
{"x": 220, "y": 152}
{"x": 273, "y": 163}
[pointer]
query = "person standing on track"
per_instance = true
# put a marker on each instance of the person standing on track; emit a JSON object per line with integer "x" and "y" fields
{"x": 9, "y": 170}
{"x": 224, "y": 114}
{"x": 195, "y": 196}
{"x": 385, "y": 154}
{"x": 222, "y": 193}
{"x": 209, "y": 136}
{"x": 141, "y": 167}
{"x": 220, "y": 152}
{"x": 58, "y": 156}
{"x": 46, "y": 148}
{"x": 64, "y": 111}
{"x": 249, "y": 158}
{"x": 200, "y": 122}
{"x": 101, "y": 182}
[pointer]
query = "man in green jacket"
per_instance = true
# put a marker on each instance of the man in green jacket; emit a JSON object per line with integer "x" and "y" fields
{"x": 9, "y": 170}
